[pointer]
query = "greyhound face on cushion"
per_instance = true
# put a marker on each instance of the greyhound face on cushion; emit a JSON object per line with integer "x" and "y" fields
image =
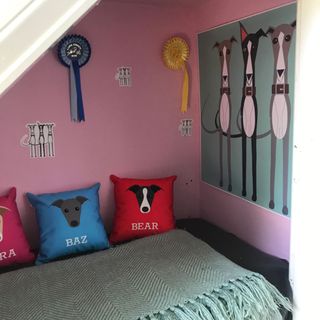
{"x": 3, "y": 210}
{"x": 71, "y": 209}
{"x": 144, "y": 196}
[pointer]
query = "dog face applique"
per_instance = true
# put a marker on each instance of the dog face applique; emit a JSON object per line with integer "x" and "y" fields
{"x": 145, "y": 196}
{"x": 3, "y": 211}
{"x": 71, "y": 209}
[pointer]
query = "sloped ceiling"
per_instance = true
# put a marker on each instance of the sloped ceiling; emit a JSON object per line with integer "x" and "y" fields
{"x": 163, "y": 2}
{"x": 29, "y": 27}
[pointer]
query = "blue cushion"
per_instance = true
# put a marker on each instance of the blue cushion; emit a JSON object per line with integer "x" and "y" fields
{"x": 69, "y": 223}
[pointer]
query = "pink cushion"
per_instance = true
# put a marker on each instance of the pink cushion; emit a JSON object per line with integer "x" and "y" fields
{"x": 14, "y": 247}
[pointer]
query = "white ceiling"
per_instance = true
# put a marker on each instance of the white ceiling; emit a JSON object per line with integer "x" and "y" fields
{"x": 9, "y": 9}
{"x": 163, "y": 2}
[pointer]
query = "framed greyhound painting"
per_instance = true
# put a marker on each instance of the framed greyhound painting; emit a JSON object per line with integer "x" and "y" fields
{"x": 247, "y": 92}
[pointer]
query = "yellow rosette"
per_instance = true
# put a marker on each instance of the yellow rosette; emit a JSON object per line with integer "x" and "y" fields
{"x": 175, "y": 55}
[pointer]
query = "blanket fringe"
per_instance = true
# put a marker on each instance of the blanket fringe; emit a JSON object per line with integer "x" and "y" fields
{"x": 248, "y": 298}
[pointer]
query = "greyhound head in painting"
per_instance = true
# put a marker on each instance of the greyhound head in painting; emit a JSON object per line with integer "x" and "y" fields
{"x": 249, "y": 44}
{"x": 3, "y": 211}
{"x": 249, "y": 106}
{"x": 281, "y": 37}
{"x": 224, "y": 50}
{"x": 224, "y": 111}
{"x": 280, "y": 109}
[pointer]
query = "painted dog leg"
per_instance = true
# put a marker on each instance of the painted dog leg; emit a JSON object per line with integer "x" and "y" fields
{"x": 254, "y": 166}
{"x": 229, "y": 161}
{"x": 244, "y": 164}
{"x": 272, "y": 169}
{"x": 221, "y": 158}
{"x": 285, "y": 173}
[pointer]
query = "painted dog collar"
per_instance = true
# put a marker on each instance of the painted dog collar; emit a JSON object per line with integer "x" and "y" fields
{"x": 280, "y": 88}
{"x": 249, "y": 91}
{"x": 225, "y": 90}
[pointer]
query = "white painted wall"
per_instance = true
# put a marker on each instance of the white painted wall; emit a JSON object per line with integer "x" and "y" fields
{"x": 305, "y": 244}
{"x": 29, "y": 27}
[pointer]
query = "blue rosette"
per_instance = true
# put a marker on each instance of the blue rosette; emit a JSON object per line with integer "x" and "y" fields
{"x": 74, "y": 51}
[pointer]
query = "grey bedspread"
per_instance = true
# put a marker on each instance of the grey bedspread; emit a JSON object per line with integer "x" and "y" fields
{"x": 168, "y": 276}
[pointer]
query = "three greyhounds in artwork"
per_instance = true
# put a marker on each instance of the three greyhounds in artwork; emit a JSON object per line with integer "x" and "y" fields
{"x": 280, "y": 109}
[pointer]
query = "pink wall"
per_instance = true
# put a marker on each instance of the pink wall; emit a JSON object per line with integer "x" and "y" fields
{"x": 130, "y": 132}
{"x": 262, "y": 228}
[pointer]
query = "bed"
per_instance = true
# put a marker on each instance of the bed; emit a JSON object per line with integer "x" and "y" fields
{"x": 274, "y": 269}
{"x": 175, "y": 275}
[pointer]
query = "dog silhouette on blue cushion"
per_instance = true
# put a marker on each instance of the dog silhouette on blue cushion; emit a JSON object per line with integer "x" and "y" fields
{"x": 71, "y": 209}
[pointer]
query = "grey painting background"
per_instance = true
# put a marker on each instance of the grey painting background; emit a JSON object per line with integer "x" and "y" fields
{"x": 210, "y": 95}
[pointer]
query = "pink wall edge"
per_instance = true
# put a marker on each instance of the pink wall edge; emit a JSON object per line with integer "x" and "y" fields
{"x": 264, "y": 229}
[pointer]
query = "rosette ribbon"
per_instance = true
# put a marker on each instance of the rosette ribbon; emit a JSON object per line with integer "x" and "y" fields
{"x": 74, "y": 52}
{"x": 185, "y": 89}
{"x": 76, "y": 102}
{"x": 175, "y": 55}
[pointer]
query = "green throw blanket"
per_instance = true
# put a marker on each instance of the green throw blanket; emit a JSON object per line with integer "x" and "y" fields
{"x": 165, "y": 277}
